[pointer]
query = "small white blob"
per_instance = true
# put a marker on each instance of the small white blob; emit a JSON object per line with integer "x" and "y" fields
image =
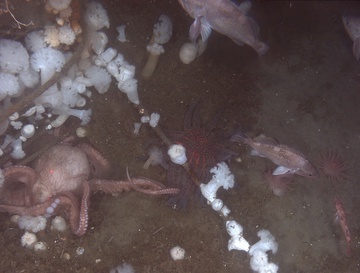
{"x": 154, "y": 119}
{"x": 217, "y": 204}
{"x": 177, "y": 154}
{"x": 28, "y": 130}
{"x": 137, "y": 126}
{"x": 40, "y": 246}
{"x": 81, "y": 132}
{"x": 80, "y": 250}
{"x": 59, "y": 224}
{"x": 238, "y": 243}
{"x": 234, "y": 228}
{"x": 28, "y": 240}
{"x": 121, "y": 37}
{"x": 177, "y": 253}
{"x": 188, "y": 52}
{"x": 14, "y": 219}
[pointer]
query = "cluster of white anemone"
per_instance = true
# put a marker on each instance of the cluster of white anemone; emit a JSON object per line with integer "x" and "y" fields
{"x": 43, "y": 54}
{"x": 259, "y": 262}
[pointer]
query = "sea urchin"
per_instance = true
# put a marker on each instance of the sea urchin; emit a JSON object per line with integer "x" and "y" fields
{"x": 333, "y": 166}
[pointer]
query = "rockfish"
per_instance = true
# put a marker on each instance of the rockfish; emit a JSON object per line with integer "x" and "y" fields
{"x": 352, "y": 26}
{"x": 288, "y": 159}
{"x": 225, "y": 17}
{"x": 340, "y": 216}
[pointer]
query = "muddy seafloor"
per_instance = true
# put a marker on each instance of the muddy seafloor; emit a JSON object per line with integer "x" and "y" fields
{"x": 305, "y": 92}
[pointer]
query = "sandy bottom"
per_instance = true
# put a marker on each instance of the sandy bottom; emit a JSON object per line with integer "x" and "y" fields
{"x": 305, "y": 92}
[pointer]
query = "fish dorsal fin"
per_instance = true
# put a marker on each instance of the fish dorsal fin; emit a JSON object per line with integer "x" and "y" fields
{"x": 244, "y": 7}
{"x": 205, "y": 30}
{"x": 266, "y": 140}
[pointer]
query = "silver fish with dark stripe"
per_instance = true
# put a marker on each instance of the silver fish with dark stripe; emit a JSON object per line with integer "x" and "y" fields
{"x": 288, "y": 159}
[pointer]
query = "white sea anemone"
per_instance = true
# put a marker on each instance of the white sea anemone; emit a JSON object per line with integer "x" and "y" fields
{"x": 34, "y": 224}
{"x": 66, "y": 13}
{"x": 47, "y": 61}
{"x": 119, "y": 60}
{"x": 17, "y": 152}
{"x": 154, "y": 119}
{"x": 59, "y": 224}
{"x": 121, "y": 30}
{"x": 105, "y": 57}
{"x": 222, "y": 177}
{"x": 259, "y": 263}
{"x": 113, "y": 69}
{"x": 162, "y": 33}
{"x": 137, "y": 126}
{"x": 59, "y": 4}
{"x": 51, "y": 35}
{"x": 177, "y": 253}
{"x": 28, "y": 240}
{"x": 217, "y": 204}
{"x": 69, "y": 94}
{"x": 81, "y": 132}
{"x": 238, "y": 243}
{"x": 267, "y": 242}
{"x": 66, "y": 35}
{"x": 29, "y": 77}
{"x": 126, "y": 71}
{"x": 40, "y": 246}
{"x": 28, "y": 131}
{"x": 99, "y": 41}
{"x": 156, "y": 157}
{"x": 123, "y": 268}
{"x": 177, "y": 154}
{"x": 154, "y": 52}
{"x": 13, "y": 57}
{"x": 258, "y": 260}
{"x": 96, "y": 16}
{"x": 9, "y": 85}
{"x": 188, "y": 52}
{"x": 82, "y": 114}
{"x": 60, "y": 120}
{"x": 130, "y": 88}
{"x": 99, "y": 77}
{"x": 234, "y": 228}
{"x": 51, "y": 97}
{"x": 35, "y": 40}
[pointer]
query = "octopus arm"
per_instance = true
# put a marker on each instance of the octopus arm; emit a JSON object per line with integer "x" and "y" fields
{"x": 36, "y": 210}
{"x": 109, "y": 186}
{"x": 78, "y": 216}
{"x": 101, "y": 166}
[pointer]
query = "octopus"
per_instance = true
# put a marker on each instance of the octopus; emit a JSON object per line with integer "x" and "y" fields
{"x": 59, "y": 176}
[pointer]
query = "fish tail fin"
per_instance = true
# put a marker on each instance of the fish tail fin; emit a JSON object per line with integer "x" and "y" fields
{"x": 239, "y": 136}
